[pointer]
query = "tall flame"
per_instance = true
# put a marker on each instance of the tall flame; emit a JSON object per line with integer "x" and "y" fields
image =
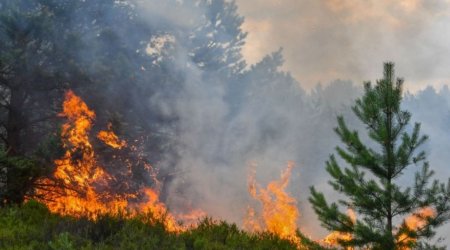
{"x": 80, "y": 186}
{"x": 279, "y": 211}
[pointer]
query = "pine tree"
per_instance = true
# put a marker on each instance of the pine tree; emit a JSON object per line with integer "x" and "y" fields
{"x": 370, "y": 181}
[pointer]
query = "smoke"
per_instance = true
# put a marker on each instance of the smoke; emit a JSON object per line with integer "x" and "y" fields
{"x": 431, "y": 108}
{"x": 265, "y": 116}
{"x": 326, "y": 40}
{"x": 203, "y": 118}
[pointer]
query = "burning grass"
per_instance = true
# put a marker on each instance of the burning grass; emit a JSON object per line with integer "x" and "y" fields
{"x": 81, "y": 188}
{"x": 279, "y": 213}
{"x": 83, "y": 209}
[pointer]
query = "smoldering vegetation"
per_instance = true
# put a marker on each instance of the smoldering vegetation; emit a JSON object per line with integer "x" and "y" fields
{"x": 171, "y": 79}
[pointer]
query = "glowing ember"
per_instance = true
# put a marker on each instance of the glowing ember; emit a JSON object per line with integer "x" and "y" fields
{"x": 80, "y": 187}
{"x": 279, "y": 211}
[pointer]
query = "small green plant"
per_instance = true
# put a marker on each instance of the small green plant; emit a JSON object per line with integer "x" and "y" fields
{"x": 62, "y": 242}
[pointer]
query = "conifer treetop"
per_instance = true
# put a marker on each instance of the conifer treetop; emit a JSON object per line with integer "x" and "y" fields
{"x": 369, "y": 180}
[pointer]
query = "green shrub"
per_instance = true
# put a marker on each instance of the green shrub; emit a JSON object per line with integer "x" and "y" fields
{"x": 32, "y": 226}
{"x": 62, "y": 242}
{"x": 18, "y": 174}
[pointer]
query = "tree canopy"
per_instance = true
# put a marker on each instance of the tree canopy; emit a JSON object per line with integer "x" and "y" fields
{"x": 370, "y": 181}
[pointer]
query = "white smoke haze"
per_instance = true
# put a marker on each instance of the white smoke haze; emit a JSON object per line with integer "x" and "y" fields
{"x": 330, "y": 39}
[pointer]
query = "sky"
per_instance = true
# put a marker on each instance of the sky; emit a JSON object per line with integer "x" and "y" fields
{"x": 324, "y": 40}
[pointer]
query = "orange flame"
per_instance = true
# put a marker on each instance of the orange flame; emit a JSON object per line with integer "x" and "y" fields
{"x": 80, "y": 187}
{"x": 332, "y": 240}
{"x": 418, "y": 220}
{"x": 279, "y": 211}
{"x": 415, "y": 222}
{"x": 110, "y": 138}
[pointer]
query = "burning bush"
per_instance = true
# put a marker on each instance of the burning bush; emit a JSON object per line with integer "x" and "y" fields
{"x": 79, "y": 186}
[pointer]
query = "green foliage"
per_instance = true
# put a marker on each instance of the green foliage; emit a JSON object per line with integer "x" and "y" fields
{"x": 19, "y": 174}
{"x": 32, "y": 226}
{"x": 211, "y": 234}
{"x": 370, "y": 182}
{"x": 62, "y": 242}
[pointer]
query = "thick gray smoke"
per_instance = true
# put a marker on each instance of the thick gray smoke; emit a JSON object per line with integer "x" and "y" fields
{"x": 264, "y": 117}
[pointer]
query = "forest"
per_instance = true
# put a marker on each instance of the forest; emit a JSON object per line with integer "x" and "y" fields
{"x": 138, "y": 124}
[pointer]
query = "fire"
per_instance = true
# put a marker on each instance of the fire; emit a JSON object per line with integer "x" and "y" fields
{"x": 81, "y": 187}
{"x": 415, "y": 222}
{"x": 418, "y": 220}
{"x": 110, "y": 138}
{"x": 333, "y": 238}
{"x": 279, "y": 211}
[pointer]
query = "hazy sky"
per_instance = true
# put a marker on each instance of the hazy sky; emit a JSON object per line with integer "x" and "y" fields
{"x": 350, "y": 39}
